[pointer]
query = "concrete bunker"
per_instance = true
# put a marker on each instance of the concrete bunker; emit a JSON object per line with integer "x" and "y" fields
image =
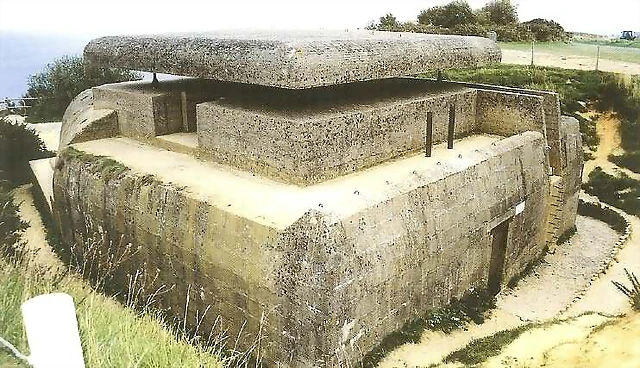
{"x": 286, "y": 181}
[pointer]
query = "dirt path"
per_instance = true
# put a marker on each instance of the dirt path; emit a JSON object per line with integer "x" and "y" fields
{"x": 543, "y": 295}
{"x": 608, "y": 130}
{"x": 34, "y": 236}
{"x": 568, "y": 62}
{"x": 588, "y": 341}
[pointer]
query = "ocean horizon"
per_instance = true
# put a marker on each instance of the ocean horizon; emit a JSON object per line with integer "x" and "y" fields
{"x": 25, "y": 54}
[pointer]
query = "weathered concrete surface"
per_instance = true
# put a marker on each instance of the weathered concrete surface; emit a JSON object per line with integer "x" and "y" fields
{"x": 329, "y": 269}
{"x": 42, "y": 170}
{"x": 294, "y": 60}
{"x": 316, "y": 135}
{"x": 551, "y": 105}
{"x": 82, "y": 121}
{"x": 571, "y": 144}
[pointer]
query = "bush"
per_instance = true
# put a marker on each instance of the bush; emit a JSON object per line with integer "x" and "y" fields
{"x": 18, "y": 145}
{"x": 622, "y": 192}
{"x": 629, "y": 160}
{"x": 474, "y": 29}
{"x": 604, "y": 214}
{"x": 512, "y": 33}
{"x": 546, "y": 30}
{"x": 64, "y": 79}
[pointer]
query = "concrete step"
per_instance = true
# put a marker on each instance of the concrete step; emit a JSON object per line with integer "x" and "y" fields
{"x": 186, "y": 143}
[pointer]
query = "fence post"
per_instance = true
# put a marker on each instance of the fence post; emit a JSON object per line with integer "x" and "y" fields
{"x": 598, "y": 58}
{"x": 532, "y": 51}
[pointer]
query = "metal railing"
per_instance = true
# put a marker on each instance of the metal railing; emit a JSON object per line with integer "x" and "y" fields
{"x": 15, "y": 105}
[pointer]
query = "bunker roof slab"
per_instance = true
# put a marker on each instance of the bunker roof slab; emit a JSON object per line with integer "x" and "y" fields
{"x": 293, "y": 60}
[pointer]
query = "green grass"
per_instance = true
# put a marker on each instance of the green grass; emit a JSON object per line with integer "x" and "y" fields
{"x": 616, "y": 43}
{"x": 478, "y": 351}
{"x": 626, "y": 53}
{"x": 473, "y": 307}
{"x": 112, "y": 335}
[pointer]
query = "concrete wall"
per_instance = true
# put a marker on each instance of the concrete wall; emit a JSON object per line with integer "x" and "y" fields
{"x": 325, "y": 289}
{"x": 551, "y": 105}
{"x": 83, "y": 122}
{"x": 143, "y": 112}
{"x": 571, "y": 144}
{"x": 308, "y": 147}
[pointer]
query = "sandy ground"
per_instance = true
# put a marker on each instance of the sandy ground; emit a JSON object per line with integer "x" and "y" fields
{"x": 34, "y": 236}
{"x": 568, "y": 62}
{"x": 589, "y": 341}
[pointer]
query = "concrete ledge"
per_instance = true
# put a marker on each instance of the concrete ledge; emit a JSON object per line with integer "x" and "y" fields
{"x": 42, "y": 171}
{"x": 295, "y": 60}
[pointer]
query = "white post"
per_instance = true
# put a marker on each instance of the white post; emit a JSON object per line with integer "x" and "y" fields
{"x": 52, "y": 331}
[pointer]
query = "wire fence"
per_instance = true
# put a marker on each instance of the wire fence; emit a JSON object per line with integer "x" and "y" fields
{"x": 575, "y": 56}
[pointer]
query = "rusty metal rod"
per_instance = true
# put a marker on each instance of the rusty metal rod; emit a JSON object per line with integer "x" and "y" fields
{"x": 429, "y": 135}
{"x": 452, "y": 125}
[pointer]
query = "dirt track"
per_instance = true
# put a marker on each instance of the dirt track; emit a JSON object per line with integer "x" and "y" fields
{"x": 568, "y": 62}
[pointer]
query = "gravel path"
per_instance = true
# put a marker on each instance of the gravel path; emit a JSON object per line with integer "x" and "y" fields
{"x": 552, "y": 287}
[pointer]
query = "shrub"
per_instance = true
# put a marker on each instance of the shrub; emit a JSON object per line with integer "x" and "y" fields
{"x": 633, "y": 293}
{"x": 18, "y": 145}
{"x": 512, "y": 33}
{"x": 64, "y": 79}
{"x": 473, "y": 29}
{"x": 604, "y": 214}
{"x": 630, "y": 160}
{"x": 622, "y": 192}
{"x": 546, "y": 30}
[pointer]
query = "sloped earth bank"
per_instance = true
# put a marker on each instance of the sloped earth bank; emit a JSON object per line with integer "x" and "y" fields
{"x": 608, "y": 130}
{"x": 547, "y": 292}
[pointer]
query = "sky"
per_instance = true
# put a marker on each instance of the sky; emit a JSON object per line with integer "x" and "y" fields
{"x": 88, "y": 18}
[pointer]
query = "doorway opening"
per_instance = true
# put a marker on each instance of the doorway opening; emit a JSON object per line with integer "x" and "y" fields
{"x": 499, "y": 235}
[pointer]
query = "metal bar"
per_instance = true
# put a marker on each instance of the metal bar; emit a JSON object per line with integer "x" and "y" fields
{"x": 452, "y": 125}
{"x": 429, "y": 135}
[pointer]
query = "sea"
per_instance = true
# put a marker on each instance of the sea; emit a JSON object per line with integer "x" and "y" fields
{"x": 25, "y": 54}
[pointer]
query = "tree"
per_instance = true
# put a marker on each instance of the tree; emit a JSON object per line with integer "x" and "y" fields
{"x": 62, "y": 80}
{"x": 388, "y": 23}
{"x": 454, "y": 14}
{"x": 546, "y": 30}
{"x": 499, "y": 12}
